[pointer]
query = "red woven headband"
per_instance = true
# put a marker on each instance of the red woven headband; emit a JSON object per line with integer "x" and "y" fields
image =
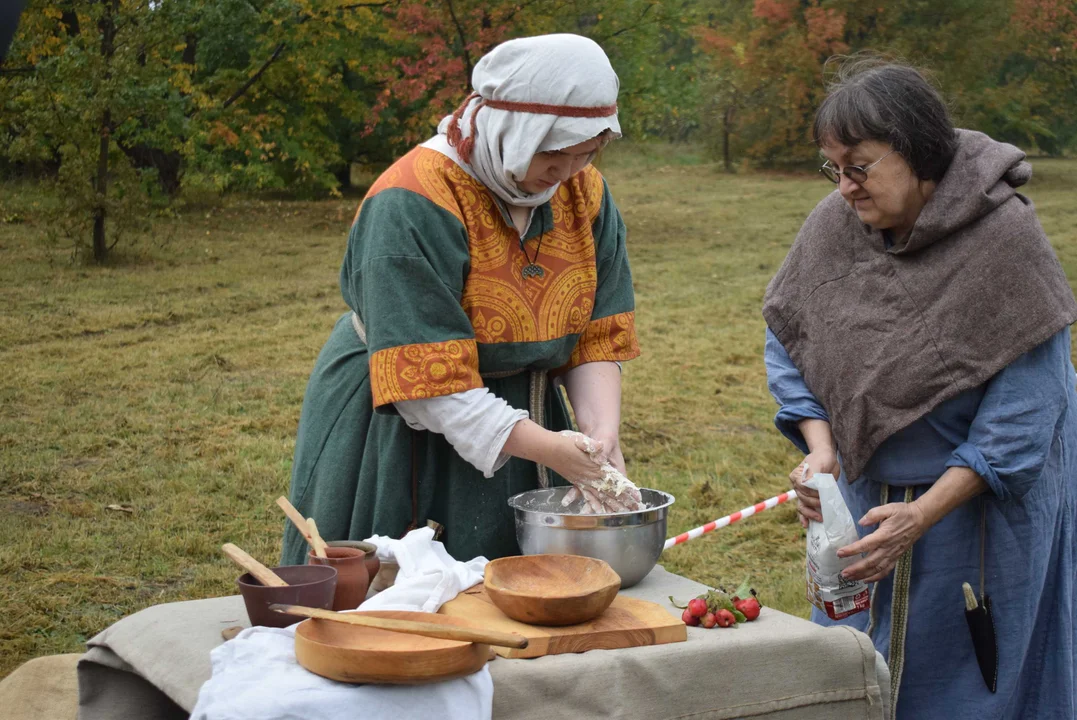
{"x": 464, "y": 145}
{"x": 562, "y": 110}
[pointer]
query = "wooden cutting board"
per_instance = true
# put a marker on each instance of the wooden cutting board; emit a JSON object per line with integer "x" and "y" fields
{"x": 627, "y": 622}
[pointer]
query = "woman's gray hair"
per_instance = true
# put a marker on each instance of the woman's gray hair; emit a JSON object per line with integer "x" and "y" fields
{"x": 873, "y": 98}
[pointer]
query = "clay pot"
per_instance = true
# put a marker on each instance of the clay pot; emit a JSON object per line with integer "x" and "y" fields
{"x": 385, "y": 578}
{"x": 371, "y": 550}
{"x": 308, "y": 585}
{"x": 352, "y": 577}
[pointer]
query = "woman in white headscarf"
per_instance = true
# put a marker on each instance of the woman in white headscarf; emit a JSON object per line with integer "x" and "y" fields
{"x": 484, "y": 262}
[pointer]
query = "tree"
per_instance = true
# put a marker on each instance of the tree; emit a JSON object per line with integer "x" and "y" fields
{"x": 769, "y": 57}
{"x": 770, "y": 60}
{"x": 82, "y": 89}
{"x": 434, "y": 47}
{"x": 656, "y": 56}
{"x": 120, "y": 93}
{"x": 1043, "y": 73}
{"x": 430, "y": 51}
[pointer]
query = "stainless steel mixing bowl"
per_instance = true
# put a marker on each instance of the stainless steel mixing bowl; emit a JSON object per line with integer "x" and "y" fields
{"x": 630, "y": 541}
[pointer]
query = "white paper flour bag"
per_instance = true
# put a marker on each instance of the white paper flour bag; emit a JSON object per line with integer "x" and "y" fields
{"x": 827, "y": 589}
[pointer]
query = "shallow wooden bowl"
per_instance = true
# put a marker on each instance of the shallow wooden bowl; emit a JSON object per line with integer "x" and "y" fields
{"x": 551, "y": 589}
{"x": 354, "y": 654}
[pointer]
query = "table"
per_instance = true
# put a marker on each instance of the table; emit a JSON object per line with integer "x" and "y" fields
{"x": 151, "y": 665}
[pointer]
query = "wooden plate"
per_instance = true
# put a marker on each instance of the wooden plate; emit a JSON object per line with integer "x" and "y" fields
{"x": 353, "y": 654}
{"x": 551, "y": 589}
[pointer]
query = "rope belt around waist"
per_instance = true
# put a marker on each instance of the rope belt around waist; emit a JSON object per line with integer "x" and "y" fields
{"x": 536, "y": 395}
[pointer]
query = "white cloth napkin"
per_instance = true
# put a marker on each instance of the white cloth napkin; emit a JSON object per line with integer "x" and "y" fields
{"x": 428, "y": 576}
{"x": 256, "y": 676}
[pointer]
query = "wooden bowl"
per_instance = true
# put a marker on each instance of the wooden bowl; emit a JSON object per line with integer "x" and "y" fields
{"x": 551, "y": 589}
{"x": 354, "y": 654}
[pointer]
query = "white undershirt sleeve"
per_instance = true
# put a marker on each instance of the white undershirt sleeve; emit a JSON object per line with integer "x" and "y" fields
{"x": 476, "y": 423}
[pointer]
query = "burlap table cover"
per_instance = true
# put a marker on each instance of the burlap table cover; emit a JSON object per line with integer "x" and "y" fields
{"x": 44, "y": 688}
{"x": 151, "y": 665}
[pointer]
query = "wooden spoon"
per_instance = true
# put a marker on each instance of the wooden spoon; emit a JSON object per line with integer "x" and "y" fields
{"x": 316, "y": 540}
{"x": 263, "y": 574}
{"x": 297, "y": 520}
{"x": 445, "y": 632}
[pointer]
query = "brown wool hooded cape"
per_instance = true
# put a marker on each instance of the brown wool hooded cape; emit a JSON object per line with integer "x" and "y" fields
{"x": 882, "y": 335}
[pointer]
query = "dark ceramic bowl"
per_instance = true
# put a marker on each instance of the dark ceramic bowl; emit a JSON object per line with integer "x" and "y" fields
{"x": 308, "y": 585}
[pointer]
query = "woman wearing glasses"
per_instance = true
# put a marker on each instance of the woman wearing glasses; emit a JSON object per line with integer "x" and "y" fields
{"x": 918, "y": 346}
{"x": 482, "y": 263}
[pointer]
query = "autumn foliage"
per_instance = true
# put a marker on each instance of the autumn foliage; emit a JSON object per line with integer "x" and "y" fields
{"x": 1009, "y": 68}
{"x": 123, "y": 104}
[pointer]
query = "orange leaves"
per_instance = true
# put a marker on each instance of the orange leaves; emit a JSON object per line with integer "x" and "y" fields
{"x": 776, "y": 12}
{"x": 771, "y": 64}
{"x": 1046, "y": 16}
{"x": 220, "y": 133}
{"x": 1051, "y": 20}
{"x": 825, "y": 28}
{"x": 435, "y": 47}
{"x": 720, "y": 45}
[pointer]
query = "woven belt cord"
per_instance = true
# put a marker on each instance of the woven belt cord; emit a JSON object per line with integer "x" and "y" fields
{"x": 899, "y": 612}
{"x": 538, "y": 415}
{"x": 357, "y": 324}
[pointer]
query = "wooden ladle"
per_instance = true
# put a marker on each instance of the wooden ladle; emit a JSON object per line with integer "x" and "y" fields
{"x": 263, "y": 574}
{"x": 445, "y": 632}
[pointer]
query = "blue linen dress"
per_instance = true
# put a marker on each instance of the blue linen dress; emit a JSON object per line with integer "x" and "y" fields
{"x": 1018, "y": 431}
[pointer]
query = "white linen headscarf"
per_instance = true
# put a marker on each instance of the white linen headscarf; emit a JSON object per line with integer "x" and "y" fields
{"x": 569, "y": 74}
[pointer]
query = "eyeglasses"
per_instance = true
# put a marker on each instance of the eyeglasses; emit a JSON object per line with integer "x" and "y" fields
{"x": 857, "y": 174}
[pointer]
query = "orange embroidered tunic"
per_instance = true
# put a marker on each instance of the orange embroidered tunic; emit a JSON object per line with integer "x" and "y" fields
{"x": 434, "y": 270}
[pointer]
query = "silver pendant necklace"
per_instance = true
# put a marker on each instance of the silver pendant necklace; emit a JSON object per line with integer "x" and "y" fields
{"x": 531, "y": 269}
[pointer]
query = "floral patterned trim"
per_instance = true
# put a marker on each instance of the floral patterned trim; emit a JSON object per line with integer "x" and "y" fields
{"x": 424, "y": 370}
{"x": 612, "y": 338}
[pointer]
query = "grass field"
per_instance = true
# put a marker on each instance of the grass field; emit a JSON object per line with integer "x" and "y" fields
{"x": 169, "y": 383}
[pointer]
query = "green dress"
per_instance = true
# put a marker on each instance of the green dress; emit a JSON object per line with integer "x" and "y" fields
{"x": 434, "y": 275}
